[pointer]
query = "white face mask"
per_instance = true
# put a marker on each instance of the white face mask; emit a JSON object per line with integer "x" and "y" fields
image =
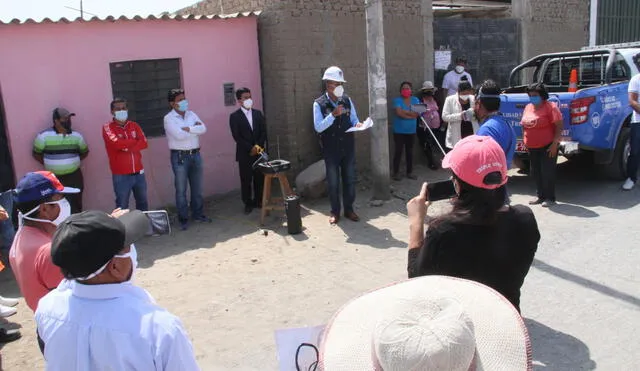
{"x": 459, "y": 69}
{"x": 132, "y": 254}
{"x": 464, "y": 97}
{"x": 121, "y": 115}
{"x": 65, "y": 212}
{"x": 338, "y": 91}
{"x": 247, "y": 103}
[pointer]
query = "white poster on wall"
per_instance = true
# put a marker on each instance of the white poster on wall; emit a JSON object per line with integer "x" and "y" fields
{"x": 443, "y": 59}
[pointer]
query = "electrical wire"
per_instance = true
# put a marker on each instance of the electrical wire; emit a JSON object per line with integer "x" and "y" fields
{"x": 314, "y": 365}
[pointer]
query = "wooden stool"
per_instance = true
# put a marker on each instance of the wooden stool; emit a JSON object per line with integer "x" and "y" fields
{"x": 275, "y": 203}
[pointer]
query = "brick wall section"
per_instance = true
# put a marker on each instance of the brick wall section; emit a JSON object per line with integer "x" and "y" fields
{"x": 552, "y": 25}
{"x": 299, "y": 39}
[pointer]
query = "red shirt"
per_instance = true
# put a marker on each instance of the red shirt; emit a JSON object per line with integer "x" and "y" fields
{"x": 124, "y": 143}
{"x": 538, "y": 124}
{"x": 30, "y": 259}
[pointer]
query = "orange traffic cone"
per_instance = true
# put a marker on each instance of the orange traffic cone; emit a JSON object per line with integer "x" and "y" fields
{"x": 573, "y": 81}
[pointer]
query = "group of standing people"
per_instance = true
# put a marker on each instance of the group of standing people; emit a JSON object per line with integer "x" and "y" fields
{"x": 483, "y": 242}
{"x": 433, "y": 130}
{"x": 541, "y": 122}
{"x": 43, "y": 203}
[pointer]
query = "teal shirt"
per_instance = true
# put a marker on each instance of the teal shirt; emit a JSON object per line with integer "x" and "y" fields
{"x": 400, "y": 125}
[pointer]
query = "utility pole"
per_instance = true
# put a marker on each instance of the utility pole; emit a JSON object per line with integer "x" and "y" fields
{"x": 377, "y": 100}
{"x": 427, "y": 22}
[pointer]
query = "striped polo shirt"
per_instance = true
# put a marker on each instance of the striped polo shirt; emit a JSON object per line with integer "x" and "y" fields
{"x": 61, "y": 152}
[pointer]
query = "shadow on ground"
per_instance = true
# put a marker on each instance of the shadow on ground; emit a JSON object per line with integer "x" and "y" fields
{"x": 556, "y": 351}
{"x": 367, "y": 234}
{"x": 602, "y": 289}
{"x": 229, "y": 222}
{"x": 579, "y": 187}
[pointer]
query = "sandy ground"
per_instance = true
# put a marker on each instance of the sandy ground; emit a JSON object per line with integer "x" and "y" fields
{"x": 233, "y": 286}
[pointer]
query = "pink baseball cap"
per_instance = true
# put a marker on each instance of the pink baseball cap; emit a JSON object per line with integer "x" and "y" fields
{"x": 474, "y": 157}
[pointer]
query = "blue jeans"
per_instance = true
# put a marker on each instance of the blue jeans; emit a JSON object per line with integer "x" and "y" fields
{"x": 124, "y": 184}
{"x": 6, "y": 227}
{"x": 634, "y": 156}
{"x": 187, "y": 168}
{"x": 341, "y": 168}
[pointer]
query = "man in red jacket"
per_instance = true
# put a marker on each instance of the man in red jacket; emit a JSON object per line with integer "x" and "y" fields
{"x": 124, "y": 141}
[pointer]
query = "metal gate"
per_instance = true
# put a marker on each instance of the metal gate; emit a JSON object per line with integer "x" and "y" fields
{"x": 618, "y": 21}
{"x": 492, "y": 46}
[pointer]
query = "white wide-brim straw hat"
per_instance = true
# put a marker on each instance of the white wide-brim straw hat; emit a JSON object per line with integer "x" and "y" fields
{"x": 428, "y": 85}
{"x": 429, "y": 323}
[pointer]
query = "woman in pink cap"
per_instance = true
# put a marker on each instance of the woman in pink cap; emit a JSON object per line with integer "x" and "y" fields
{"x": 481, "y": 239}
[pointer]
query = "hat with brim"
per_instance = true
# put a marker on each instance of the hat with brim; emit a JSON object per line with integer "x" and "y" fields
{"x": 428, "y": 85}
{"x": 40, "y": 185}
{"x": 427, "y": 323}
{"x": 60, "y": 112}
{"x": 86, "y": 241}
{"x": 474, "y": 158}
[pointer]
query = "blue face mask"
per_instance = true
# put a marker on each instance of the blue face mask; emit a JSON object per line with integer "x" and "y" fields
{"x": 536, "y": 100}
{"x": 121, "y": 115}
{"x": 183, "y": 105}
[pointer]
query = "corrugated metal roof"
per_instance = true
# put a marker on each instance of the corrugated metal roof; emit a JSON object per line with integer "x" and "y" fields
{"x": 136, "y": 18}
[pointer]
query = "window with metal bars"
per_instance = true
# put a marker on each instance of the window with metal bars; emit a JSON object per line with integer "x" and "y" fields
{"x": 144, "y": 84}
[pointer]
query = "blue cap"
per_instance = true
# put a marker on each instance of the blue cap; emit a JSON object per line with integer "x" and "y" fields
{"x": 40, "y": 185}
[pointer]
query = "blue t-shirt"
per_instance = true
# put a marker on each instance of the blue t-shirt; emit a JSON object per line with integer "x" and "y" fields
{"x": 400, "y": 125}
{"x": 499, "y": 129}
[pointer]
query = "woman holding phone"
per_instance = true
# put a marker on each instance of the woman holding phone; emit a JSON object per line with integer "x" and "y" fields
{"x": 481, "y": 239}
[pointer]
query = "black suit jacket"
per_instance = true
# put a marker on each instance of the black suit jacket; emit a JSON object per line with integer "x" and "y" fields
{"x": 243, "y": 135}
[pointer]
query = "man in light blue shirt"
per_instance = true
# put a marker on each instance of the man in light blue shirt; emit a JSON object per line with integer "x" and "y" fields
{"x": 97, "y": 319}
{"x": 333, "y": 114}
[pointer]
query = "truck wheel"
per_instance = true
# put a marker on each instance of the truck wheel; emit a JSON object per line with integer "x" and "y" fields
{"x": 617, "y": 169}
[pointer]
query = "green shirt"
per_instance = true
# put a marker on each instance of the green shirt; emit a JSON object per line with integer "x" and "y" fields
{"x": 61, "y": 152}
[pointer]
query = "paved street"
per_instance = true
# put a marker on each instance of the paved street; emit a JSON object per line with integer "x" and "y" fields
{"x": 232, "y": 286}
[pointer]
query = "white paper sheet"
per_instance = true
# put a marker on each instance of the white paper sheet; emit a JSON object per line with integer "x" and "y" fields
{"x": 442, "y": 59}
{"x": 368, "y": 123}
{"x": 288, "y": 341}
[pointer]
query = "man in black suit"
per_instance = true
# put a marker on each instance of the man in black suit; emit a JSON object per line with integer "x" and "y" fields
{"x": 250, "y": 133}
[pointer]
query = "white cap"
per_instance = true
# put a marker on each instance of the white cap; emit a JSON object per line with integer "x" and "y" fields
{"x": 333, "y": 73}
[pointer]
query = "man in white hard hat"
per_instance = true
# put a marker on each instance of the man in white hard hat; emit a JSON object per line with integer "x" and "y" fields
{"x": 333, "y": 114}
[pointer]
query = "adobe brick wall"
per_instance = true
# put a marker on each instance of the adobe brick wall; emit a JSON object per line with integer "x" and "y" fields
{"x": 299, "y": 39}
{"x": 552, "y": 25}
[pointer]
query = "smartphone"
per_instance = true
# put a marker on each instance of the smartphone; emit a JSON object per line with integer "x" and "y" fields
{"x": 440, "y": 190}
{"x": 159, "y": 223}
{"x": 419, "y": 108}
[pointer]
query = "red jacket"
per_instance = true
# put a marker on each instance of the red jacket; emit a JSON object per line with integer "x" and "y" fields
{"x": 124, "y": 143}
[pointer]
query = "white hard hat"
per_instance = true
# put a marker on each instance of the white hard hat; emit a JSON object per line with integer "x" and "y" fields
{"x": 333, "y": 73}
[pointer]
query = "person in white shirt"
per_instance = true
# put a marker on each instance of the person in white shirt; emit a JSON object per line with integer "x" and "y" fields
{"x": 634, "y": 141}
{"x": 97, "y": 318}
{"x": 458, "y": 113}
{"x": 183, "y": 129}
{"x": 453, "y": 77}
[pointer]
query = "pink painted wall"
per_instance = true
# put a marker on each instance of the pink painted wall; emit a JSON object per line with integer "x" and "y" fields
{"x": 48, "y": 65}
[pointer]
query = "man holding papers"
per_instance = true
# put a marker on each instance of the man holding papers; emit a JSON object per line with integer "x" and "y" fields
{"x": 333, "y": 114}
